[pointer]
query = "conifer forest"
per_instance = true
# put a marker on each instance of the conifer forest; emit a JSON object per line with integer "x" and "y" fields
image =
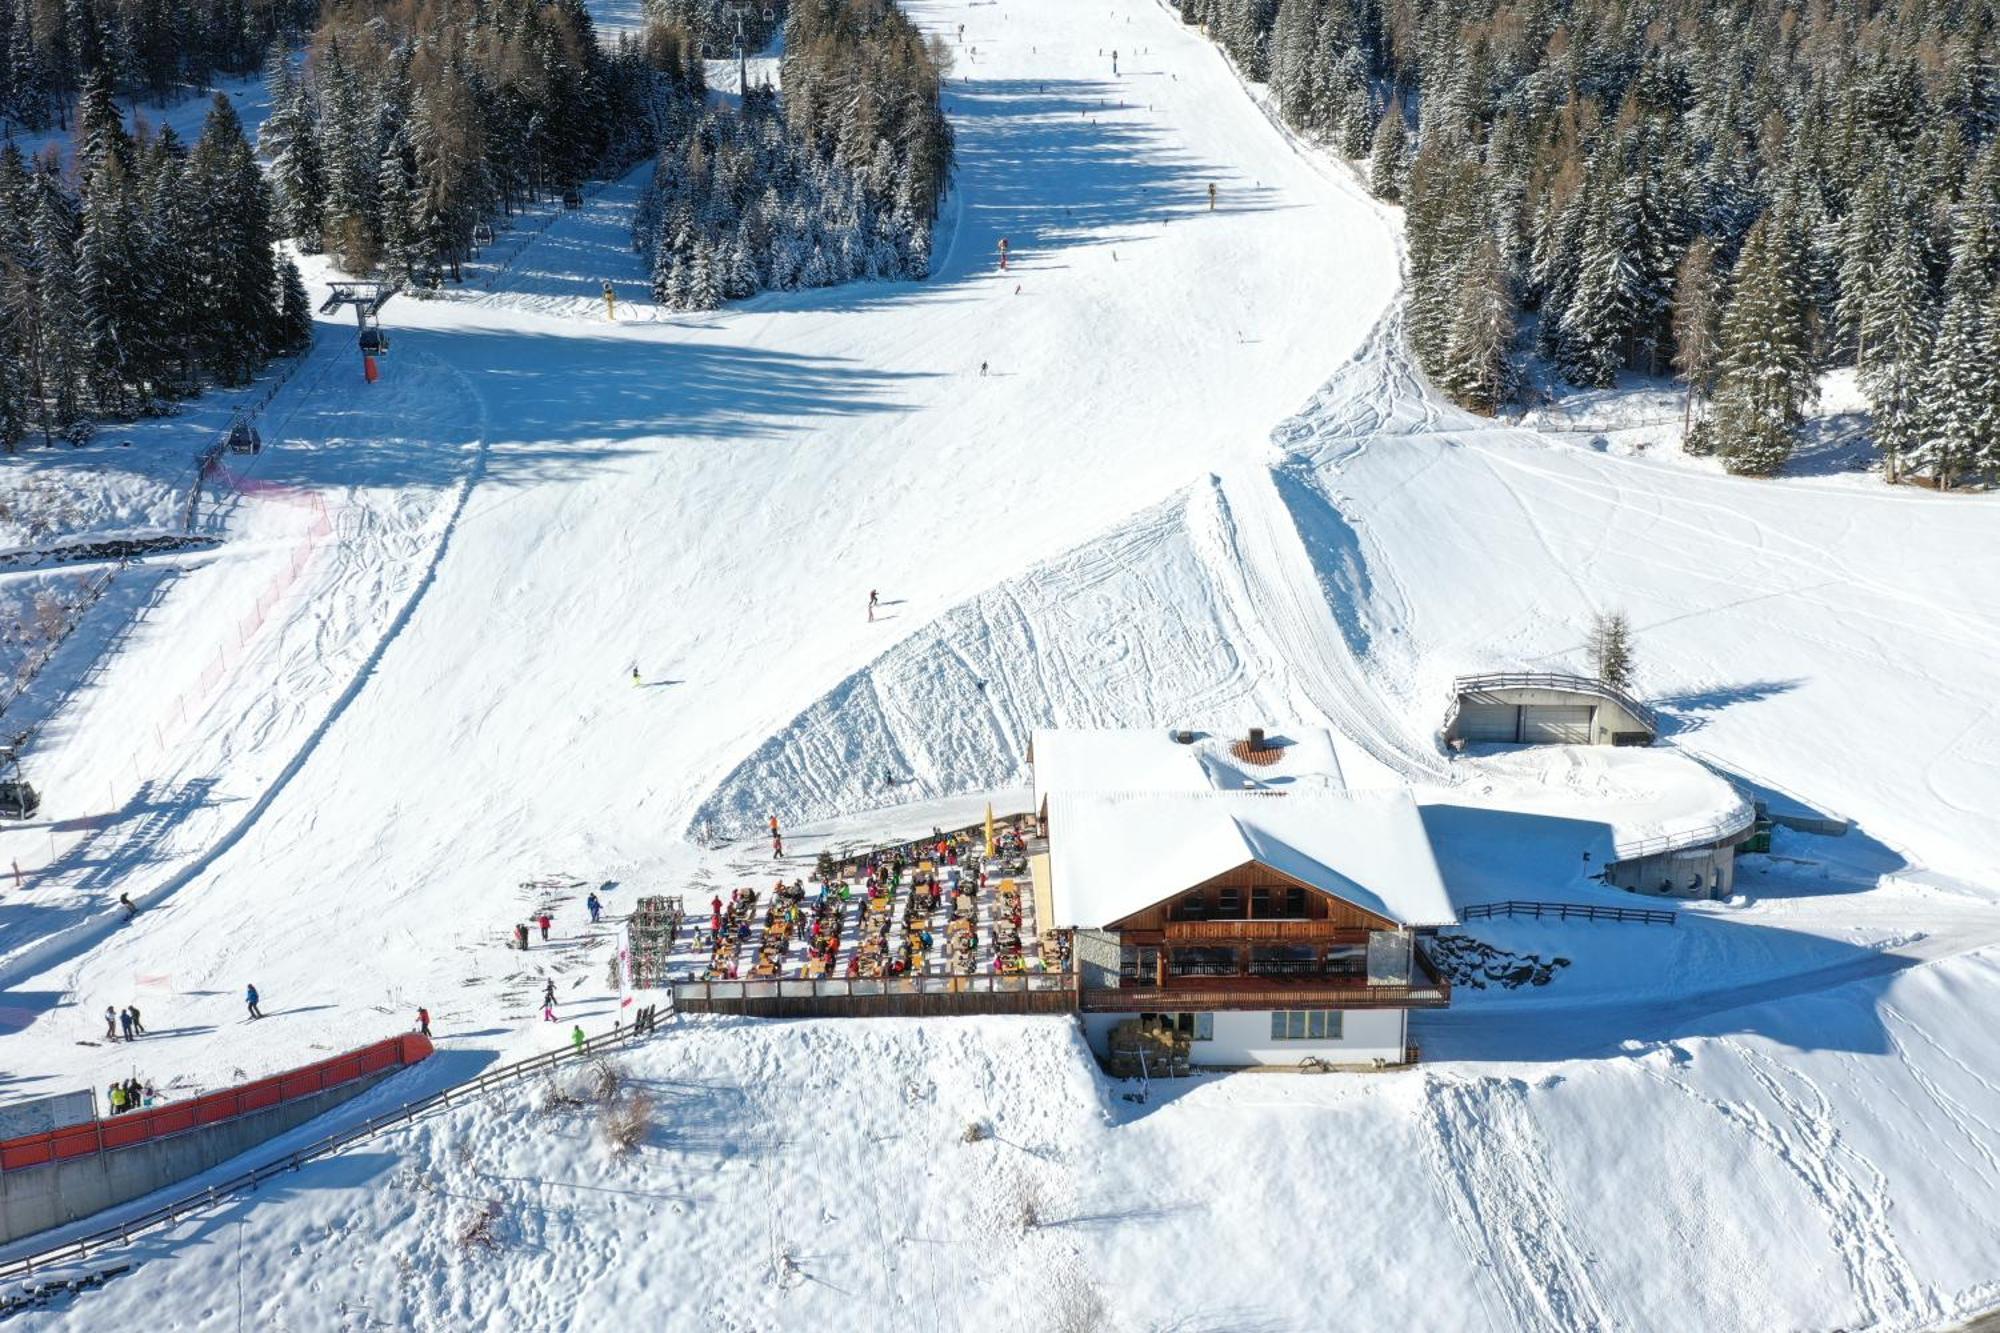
{"x": 1739, "y": 193}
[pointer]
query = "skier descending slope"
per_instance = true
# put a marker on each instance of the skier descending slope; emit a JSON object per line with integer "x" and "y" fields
{"x": 250, "y": 1001}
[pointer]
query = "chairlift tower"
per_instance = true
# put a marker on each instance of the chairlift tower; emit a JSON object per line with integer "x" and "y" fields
{"x": 367, "y": 298}
{"x": 737, "y": 11}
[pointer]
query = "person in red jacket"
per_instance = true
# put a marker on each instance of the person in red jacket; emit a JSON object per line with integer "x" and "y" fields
{"x": 424, "y": 1020}
{"x": 544, "y": 920}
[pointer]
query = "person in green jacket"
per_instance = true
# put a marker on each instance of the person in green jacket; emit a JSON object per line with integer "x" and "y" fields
{"x": 576, "y": 1038}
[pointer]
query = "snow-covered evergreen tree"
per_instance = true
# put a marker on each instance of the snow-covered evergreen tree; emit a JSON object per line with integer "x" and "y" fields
{"x": 1766, "y": 371}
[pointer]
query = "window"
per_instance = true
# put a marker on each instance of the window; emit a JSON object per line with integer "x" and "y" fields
{"x": 1295, "y": 902}
{"x": 1191, "y": 908}
{"x": 1260, "y": 902}
{"x": 1202, "y": 962}
{"x": 1347, "y": 960}
{"x": 1229, "y": 901}
{"x": 1195, "y": 1027}
{"x": 1305, "y": 1025}
{"x": 1138, "y": 965}
{"x": 1282, "y": 960}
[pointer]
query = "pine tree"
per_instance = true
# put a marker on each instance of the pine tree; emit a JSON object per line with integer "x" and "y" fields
{"x": 295, "y": 314}
{"x": 1766, "y": 372}
{"x": 1697, "y": 338}
{"x": 60, "y": 358}
{"x": 292, "y": 140}
{"x": 1896, "y": 333}
{"x": 114, "y": 286}
{"x": 1386, "y": 155}
{"x": 1611, "y": 648}
{"x": 1478, "y": 370}
{"x": 1958, "y": 381}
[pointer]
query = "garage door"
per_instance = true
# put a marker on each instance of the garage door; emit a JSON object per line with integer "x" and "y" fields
{"x": 1487, "y": 722}
{"x": 1550, "y": 725}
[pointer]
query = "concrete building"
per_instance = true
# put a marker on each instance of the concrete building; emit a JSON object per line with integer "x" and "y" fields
{"x": 1522, "y": 708}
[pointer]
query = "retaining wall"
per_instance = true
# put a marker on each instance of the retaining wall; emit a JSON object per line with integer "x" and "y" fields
{"x": 172, "y": 1143}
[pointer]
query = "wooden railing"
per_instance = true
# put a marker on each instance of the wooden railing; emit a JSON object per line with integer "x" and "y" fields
{"x": 1650, "y": 916}
{"x": 1204, "y": 994}
{"x": 1277, "y": 930}
{"x": 904, "y": 996}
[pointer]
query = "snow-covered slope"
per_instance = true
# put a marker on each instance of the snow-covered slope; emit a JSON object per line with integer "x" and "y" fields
{"x": 380, "y": 739}
{"x": 1826, "y": 1163}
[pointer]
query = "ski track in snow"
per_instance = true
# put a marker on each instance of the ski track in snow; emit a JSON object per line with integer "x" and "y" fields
{"x": 1802, "y": 1131}
{"x": 1495, "y": 1180}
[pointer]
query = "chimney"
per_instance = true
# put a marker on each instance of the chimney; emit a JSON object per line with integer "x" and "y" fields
{"x": 1256, "y": 738}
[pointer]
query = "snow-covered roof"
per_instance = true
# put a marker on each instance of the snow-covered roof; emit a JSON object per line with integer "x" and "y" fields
{"x": 1113, "y": 854}
{"x": 1072, "y": 762}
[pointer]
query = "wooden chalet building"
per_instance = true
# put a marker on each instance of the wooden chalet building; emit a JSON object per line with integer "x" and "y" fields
{"x": 1235, "y": 894}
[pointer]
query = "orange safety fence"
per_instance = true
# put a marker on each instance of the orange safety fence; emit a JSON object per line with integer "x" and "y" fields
{"x": 158, "y": 1122}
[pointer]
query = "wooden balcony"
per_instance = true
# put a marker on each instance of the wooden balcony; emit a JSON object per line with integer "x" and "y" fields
{"x": 1209, "y": 993}
{"x": 1272, "y": 930}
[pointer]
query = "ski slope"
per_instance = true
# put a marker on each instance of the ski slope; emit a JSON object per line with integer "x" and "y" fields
{"x": 1199, "y": 482}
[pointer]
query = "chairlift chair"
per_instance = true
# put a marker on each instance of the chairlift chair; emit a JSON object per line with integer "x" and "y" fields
{"x": 244, "y": 439}
{"x": 572, "y": 198}
{"x": 482, "y": 233}
{"x": 18, "y": 799}
{"x": 374, "y": 342}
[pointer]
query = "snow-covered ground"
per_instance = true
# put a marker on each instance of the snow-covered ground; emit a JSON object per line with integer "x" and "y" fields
{"x": 341, "y": 755}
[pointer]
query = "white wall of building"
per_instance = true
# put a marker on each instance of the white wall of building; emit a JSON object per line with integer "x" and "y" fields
{"x": 1243, "y": 1037}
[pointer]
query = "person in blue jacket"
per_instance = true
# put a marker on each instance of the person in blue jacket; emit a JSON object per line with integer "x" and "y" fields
{"x": 250, "y": 999}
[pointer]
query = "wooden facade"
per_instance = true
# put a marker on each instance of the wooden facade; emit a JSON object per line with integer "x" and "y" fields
{"x": 1256, "y": 892}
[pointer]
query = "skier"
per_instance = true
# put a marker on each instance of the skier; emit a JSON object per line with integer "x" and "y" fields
{"x": 982, "y": 368}
{"x": 137, "y": 1025}
{"x": 610, "y": 302}
{"x": 125, "y": 1023}
{"x": 423, "y": 1020}
{"x": 110, "y": 1023}
{"x": 777, "y": 846}
{"x": 250, "y": 1001}
{"x": 576, "y": 1038}
{"x": 594, "y": 906}
{"x": 521, "y": 937}
{"x": 1211, "y": 196}
{"x": 874, "y": 600}
{"x": 549, "y": 994}
{"x": 131, "y": 908}
{"x": 773, "y": 821}
{"x": 543, "y": 921}
{"x": 1114, "y": 64}
{"x": 635, "y": 673}
{"x": 117, "y": 1098}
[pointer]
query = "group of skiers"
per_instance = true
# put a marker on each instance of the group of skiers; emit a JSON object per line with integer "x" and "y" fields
{"x": 131, "y": 1095}
{"x": 123, "y": 1023}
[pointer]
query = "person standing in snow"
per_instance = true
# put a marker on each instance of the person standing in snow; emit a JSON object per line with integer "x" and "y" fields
{"x": 635, "y": 673}
{"x": 543, "y": 921}
{"x": 521, "y": 937}
{"x": 137, "y": 1025}
{"x": 610, "y": 302}
{"x": 982, "y": 369}
{"x": 777, "y": 846}
{"x": 1211, "y": 196}
{"x": 131, "y": 908}
{"x": 250, "y": 1001}
{"x": 110, "y": 1023}
{"x": 125, "y": 1023}
{"x": 595, "y": 907}
{"x": 576, "y": 1038}
{"x": 549, "y": 993}
{"x": 423, "y": 1020}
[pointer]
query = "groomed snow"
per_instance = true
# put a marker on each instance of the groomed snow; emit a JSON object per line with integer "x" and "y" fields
{"x": 380, "y": 740}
